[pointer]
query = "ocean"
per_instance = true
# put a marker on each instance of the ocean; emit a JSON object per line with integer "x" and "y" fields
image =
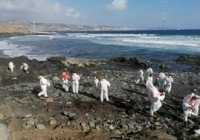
{"x": 151, "y": 44}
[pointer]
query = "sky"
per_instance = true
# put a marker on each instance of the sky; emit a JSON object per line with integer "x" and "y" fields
{"x": 137, "y": 14}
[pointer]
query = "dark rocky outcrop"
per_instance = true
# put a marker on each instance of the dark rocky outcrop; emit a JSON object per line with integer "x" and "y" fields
{"x": 133, "y": 61}
{"x": 188, "y": 59}
{"x": 125, "y": 116}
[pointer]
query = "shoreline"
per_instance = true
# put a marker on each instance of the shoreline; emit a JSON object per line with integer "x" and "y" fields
{"x": 183, "y": 62}
{"x": 156, "y": 56}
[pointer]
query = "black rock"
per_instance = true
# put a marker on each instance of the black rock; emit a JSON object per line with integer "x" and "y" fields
{"x": 56, "y": 59}
{"x": 133, "y": 61}
{"x": 188, "y": 59}
{"x": 70, "y": 115}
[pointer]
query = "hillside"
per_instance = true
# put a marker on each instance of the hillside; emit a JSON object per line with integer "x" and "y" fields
{"x": 13, "y": 28}
{"x": 27, "y": 27}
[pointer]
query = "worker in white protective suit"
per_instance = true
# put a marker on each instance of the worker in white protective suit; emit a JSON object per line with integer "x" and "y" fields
{"x": 191, "y": 106}
{"x": 148, "y": 72}
{"x": 44, "y": 83}
{"x": 149, "y": 79}
{"x": 168, "y": 86}
{"x": 140, "y": 77}
{"x": 161, "y": 81}
{"x": 11, "y": 66}
{"x": 75, "y": 83}
{"x": 155, "y": 96}
{"x": 96, "y": 82}
{"x": 65, "y": 81}
{"x": 25, "y": 67}
{"x": 104, "y": 85}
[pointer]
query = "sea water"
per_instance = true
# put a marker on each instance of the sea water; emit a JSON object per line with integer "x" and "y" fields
{"x": 161, "y": 45}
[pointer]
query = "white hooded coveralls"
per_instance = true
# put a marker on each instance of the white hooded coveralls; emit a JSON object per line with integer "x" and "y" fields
{"x": 11, "y": 66}
{"x": 140, "y": 77}
{"x": 44, "y": 83}
{"x": 149, "y": 79}
{"x": 148, "y": 72}
{"x": 24, "y": 67}
{"x": 161, "y": 81}
{"x": 96, "y": 82}
{"x": 190, "y": 107}
{"x": 155, "y": 97}
{"x": 75, "y": 82}
{"x": 104, "y": 85}
{"x": 169, "y": 82}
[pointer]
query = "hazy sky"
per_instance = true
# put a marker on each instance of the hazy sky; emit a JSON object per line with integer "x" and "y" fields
{"x": 131, "y": 13}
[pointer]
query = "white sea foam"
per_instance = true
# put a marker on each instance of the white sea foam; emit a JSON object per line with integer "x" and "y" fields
{"x": 141, "y": 39}
{"x": 87, "y": 36}
{"x": 15, "y": 46}
{"x": 13, "y": 50}
{"x": 162, "y": 42}
{"x": 148, "y": 40}
{"x": 36, "y": 37}
{"x": 51, "y": 37}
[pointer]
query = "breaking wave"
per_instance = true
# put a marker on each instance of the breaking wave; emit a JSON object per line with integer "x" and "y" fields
{"x": 142, "y": 39}
{"x": 43, "y": 46}
{"x": 15, "y": 50}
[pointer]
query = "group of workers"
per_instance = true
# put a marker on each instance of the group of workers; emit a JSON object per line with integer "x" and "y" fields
{"x": 101, "y": 84}
{"x": 24, "y": 67}
{"x": 156, "y": 89}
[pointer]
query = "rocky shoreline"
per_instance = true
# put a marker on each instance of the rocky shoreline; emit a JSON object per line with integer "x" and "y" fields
{"x": 64, "y": 116}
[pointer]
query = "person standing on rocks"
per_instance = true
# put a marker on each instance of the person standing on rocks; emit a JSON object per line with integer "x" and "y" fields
{"x": 149, "y": 79}
{"x": 155, "y": 96}
{"x": 148, "y": 72}
{"x": 191, "y": 106}
{"x": 104, "y": 85}
{"x": 11, "y": 66}
{"x": 75, "y": 83}
{"x": 140, "y": 77}
{"x": 65, "y": 81}
{"x": 168, "y": 86}
{"x": 96, "y": 82}
{"x": 25, "y": 67}
{"x": 161, "y": 81}
{"x": 44, "y": 83}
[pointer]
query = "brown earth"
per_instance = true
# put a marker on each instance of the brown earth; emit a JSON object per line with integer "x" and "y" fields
{"x": 13, "y": 28}
{"x": 57, "y": 134}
